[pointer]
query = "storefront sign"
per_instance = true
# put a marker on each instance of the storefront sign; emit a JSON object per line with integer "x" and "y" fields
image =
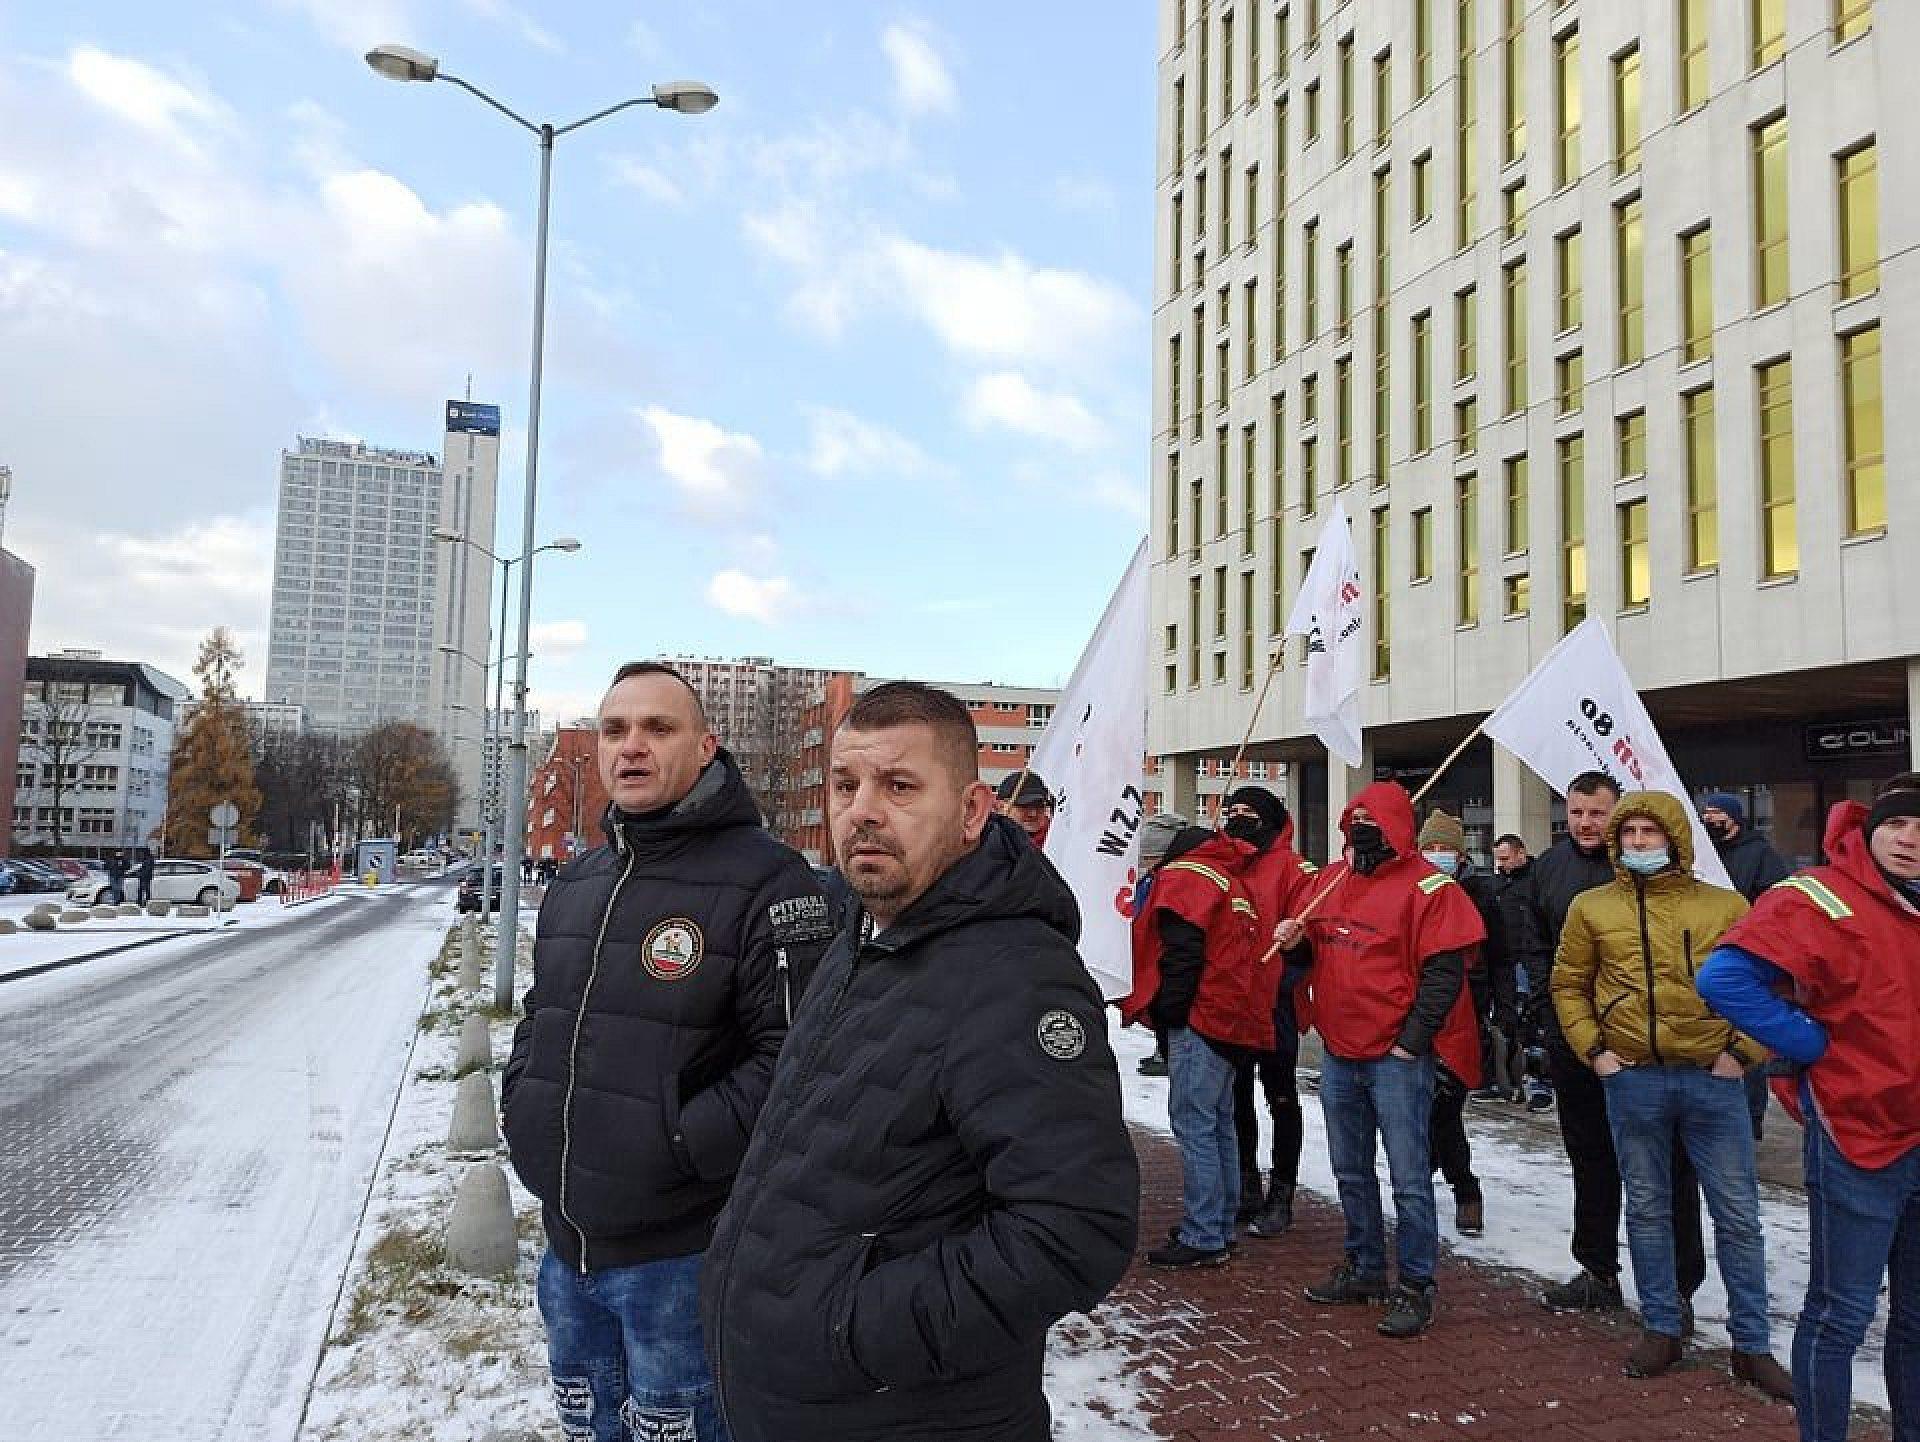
{"x": 1845, "y": 740}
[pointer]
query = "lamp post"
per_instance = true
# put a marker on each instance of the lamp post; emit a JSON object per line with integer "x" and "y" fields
{"x": 397, "y": 62}
{"x": 503, "y": 958}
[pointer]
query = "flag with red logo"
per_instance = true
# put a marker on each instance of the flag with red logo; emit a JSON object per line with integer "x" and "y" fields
{"x": 1327, "y": 612}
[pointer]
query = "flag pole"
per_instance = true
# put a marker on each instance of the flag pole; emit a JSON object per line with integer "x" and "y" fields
{"x": 1233, "y": 770}
{"x": 1319, "y": 896}
{"x": 1452, "y": 756}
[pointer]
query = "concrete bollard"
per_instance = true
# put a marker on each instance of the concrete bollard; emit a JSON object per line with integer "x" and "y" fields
{"x": 189, "y": 910}
{"x": 469, "y": 977}
{"x": 128, "y": 908}
{"x": 476, "y": 1047}
{"x": 69, "y": 917}
{"x": 7, "y": 928}
{"x": 52, "y": 908}
{"x": 480, "y": 1234}
{"x": 105, "y": 910}
{"x": 159, "y": 908}
{"x": 474, "y": 1127}
{"x": 38, "y": 921}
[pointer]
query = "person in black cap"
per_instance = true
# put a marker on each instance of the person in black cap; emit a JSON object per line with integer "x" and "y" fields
{"x": 1024, "y": 798}
{"x": 1752, "y": 863}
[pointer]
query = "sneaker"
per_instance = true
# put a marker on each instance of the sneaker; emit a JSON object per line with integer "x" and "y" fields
{"x": 1409, "y": 1310}
{"x": 1275, "y": 1214}
{"x": 1758, "y": 1369}
{"x": 1155, "y": 1065}
{"x": 1344, "y": 1284}
{"x": 1469, "y": 1216}
{"x": 1173, "y": 1239}
{"x": 1655, "y": 1353}
{"x": 1487, "y": 1094}
{"x": 1539, "y": 1099}
{"x": 1584, "y": 1293}
{"x": 1178, "y": 1256}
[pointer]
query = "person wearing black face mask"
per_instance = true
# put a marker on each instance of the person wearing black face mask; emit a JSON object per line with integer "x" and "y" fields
{"x": 1278, "y": 879}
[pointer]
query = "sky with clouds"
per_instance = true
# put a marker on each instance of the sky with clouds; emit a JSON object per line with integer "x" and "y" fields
{"x": 852, "y": 371}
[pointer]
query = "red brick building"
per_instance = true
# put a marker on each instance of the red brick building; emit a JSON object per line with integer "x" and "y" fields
{"x": 565, "y": 799}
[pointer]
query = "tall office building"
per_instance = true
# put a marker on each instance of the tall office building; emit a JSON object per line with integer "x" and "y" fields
{"x": 1583, "y": 307}
{"x": 364, "y": 598}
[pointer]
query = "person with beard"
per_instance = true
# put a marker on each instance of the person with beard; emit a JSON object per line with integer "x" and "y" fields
{"x": 665, "y": 967}
{"x": 1278, "y": 879}
{"x": 1823, "y": 972}
{"x": 1753, "y": 866}
{"x": 1388, "y": 944}
{"x": 1024, "y": 797}
{"x": 1577, "y": 862}
{"x": 1198, "y": 974}
{"x": 942, "y": 1170}
{"x": 1443, "y": 846}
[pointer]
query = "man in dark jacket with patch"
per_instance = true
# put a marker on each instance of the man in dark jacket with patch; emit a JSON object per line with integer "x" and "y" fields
{"x": 942, "y": 1171}
{"x": 665, "y": 968}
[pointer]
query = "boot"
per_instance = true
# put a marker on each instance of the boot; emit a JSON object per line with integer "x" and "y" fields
{"x": 1250, "y": 1187}
{"x": 1758, "y": 1369}
{"x": 1655, "y": 1353}
{"x": 1584, "y": 1293}
{"x": 1347, "y": 1285}
{"x": 1409, "y": 1310}
{"x": 1275, "y": 1214}
{"x": 1469, "y": 1214}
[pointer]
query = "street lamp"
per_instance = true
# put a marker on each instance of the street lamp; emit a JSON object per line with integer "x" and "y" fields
{"x": 503, "y": 959}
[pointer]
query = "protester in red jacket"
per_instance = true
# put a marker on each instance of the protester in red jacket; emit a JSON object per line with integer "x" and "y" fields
{"x": 1201, "y": 973}
{"x": 1825, "y": 970}
{"x": 1388, "y": 945}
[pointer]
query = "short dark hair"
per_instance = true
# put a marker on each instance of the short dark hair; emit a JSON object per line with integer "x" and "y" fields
{"x": 661, "y": 668}
{"x": 914, "y": 703}
{"x": 1510, "y": 839}
{"x": 1589, "y": 783}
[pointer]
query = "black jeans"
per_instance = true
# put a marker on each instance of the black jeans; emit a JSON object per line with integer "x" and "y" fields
{"x": 1584, "y": 1131}
{"x": 1447, "y": 1136}
{"x": 1277, "y": 1080}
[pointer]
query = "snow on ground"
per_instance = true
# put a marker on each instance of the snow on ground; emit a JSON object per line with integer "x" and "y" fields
{"x": 25, "y": 950}
{"x": 1529, "y": 1211}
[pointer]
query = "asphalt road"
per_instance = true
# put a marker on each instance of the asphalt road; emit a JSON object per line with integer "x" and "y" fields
{"x": 186, "y": 1136}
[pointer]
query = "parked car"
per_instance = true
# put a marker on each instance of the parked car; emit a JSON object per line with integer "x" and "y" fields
{"x": 272, "y": 882}
{"x": 469, "y": 899}
{"x": 419, "y": 860}
{"x": 77, "y": 868}
{"x": 6, "y": 879}
{"x": 31, "y": 875}
{"x": 197, "y": 882}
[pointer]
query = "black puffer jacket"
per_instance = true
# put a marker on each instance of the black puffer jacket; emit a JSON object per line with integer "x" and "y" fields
{"x": 1558, "y": 874}
{"x": 662, "y": 970}
{"x": 941, "y": 1173}
{"x": 1752, "y": 863}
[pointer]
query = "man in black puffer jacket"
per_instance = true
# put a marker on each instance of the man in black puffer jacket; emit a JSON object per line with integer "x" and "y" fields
{"x": 941, "y": 1171}
{"x": 665, "y": 968}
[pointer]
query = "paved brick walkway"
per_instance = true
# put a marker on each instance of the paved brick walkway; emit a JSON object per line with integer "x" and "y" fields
{"x": 1238, "y": 1352}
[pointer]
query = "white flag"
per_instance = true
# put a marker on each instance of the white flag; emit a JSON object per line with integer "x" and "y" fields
{"x": 1093, "y": 758}
{"x": 1327, "y": 612}
{"x": 1577, "y": 711}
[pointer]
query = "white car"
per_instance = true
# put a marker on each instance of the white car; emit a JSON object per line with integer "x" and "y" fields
{"x": 194, "y": 882}
{"x": 419, "y": 860}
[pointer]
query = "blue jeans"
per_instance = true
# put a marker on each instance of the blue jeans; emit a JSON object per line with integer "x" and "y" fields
{"x": 625, "y": 1350}
{"x": 1391, "y": 1098}
{"x": 1864, "y": 1225}
{"x": 1200, "y": 1106}
{"x": 1648, "y": 1108}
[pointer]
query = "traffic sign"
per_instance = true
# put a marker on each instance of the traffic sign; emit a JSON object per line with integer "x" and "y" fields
{"x": 226, "y": 816}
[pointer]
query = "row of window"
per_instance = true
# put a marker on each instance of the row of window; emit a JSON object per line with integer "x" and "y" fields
{"x": 1863, "y": 480}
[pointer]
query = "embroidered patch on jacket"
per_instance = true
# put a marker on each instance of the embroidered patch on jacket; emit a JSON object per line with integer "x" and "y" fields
{"x": 1062, "y": 1037}
{"x": 800, "y": 918}
{"x": 673, "y": 949}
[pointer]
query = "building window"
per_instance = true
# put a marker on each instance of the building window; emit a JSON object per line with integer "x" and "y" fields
{"x": 1513, "y": 211}
{"x": 1515, "y": 338}
{"x": 1382, "y": 98}
{"x": 1422, "y": 383}
{"x": 1278, "y": 449}
{"x": 1196, "y": 504}
{"x": 1219, "y": 603}
{"x": 1382, "y": 404}
{"x": 1193, "y": 630}
{"x": 1275, "y": 607}
{"x": 1173, "y": 383}
{"x": 1221, "y": 508}
{"x": 1343, "y": 290}
{"x": 1310, "y": 262}
{"x": 1466, "y": 328}
{"x": 1859, "y": 179}
{"x": 1466, "y": 127}
{"x": 1515, "y": 506}
{"x": 1769, "y": 30}
{"x": 1779, "y": 535}
{"x": 1222, "y": 378}
{"x": 1466, "y": 426}
{"x": 1309, "y": 475}
{"x": 1246, "y": 630}
{"x": 1226, "y": 200}
{"x": 1626, "y": 111}
{"x": 1200, "y": 95}
{"x": 1573, "y": 531}
{"x": 1566, "y": 308}
{"x": 1630, "y": 281}
{"x": 1312, "y": 97}
{"x": 1851, "y": 19}
{"x": 1382, "y": 236}
{"x": 1177, "y": 225}
{"x": 1422, "y": 190}
{"x": 1696, "y": 295}
{"x": 1422, "y": 545}
{"x": 1252, "y": 208}
{"x": 1382, "y": 598}
{"x": 1173, "y": 504}
{"x": 1199, "y": 367}
{"x": 1343, "y": 420}
{"x": 1569, "y": 379}
{"x": 1566, "y": 89}
{"x": 1770, "y": 211}
{"x": 1866, "y": 460}
{"x": 1693, "y": 54}
{"x": 1250, "y": 328}
{"x": 1345, "y": 64}
{"x": 1253, "y": 53}
{"x": 1630, "y": 444}
{"x": 1514, "y": 595}
{"x": 1636, "y": 583}
{"x": 1248, "y": 488}
{"x": 1466, "y": 526}
{"x": 1309, "y": 400}
{"x": 1703, "y": 486}
{"x": 1226, "y": 65}
{"x": 1513, "y": 58}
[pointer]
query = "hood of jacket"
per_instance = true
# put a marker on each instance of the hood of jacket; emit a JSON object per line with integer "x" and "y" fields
{"x": 1668, "y": 814}
{"x": 1391, "y": 808}
{"x": 1003, "y": 877}
{"x": 719, "y": 798}
{"x": 1849, "y": 850}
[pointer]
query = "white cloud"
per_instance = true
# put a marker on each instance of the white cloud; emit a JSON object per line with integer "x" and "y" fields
{"x": 553, "y": 640}
{"x": 922, "y": 84}
{"x": 138, "y": 93}
{"x": 842, "y": 444}
{"x": 649, "y": 182}
{"x": 715, "y": 469}
{"x": 519, "y": 22}
{"x": 357, "y": 25}
{"x": 768, "y": 600}
{"x": 1008, "y": 400}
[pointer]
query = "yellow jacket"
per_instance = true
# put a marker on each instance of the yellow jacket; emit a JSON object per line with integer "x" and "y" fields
{"x": 1623, "y": 976}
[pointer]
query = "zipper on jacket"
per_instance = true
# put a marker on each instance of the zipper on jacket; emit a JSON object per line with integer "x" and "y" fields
{"x": 786, "y": 983}
{"x": 573, "y": 1053}
{"x": 1646, "y": 957}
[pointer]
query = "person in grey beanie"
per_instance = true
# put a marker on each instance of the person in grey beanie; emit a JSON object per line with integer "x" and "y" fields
{"x": 1156, "y": 835}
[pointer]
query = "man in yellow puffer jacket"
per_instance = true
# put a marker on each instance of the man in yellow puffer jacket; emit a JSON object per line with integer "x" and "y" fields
{"x": 1623, "y": 986}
